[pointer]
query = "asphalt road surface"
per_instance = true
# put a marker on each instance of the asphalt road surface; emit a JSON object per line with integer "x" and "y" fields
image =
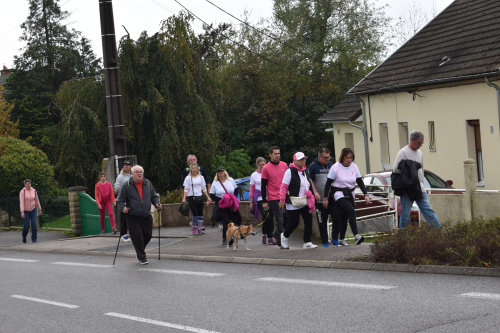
{"x": 72, "y": 293}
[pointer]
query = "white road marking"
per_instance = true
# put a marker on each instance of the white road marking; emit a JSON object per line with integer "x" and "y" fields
{"x": 80, "y": 264}
{"x": 160, "y": 323}
{"x": 482, "y": 295}
{"x": 328, "y": 283}
{"x": 19, "y": 260}
{"x": 45, "y": 301}
{"x": 180, "y": 272}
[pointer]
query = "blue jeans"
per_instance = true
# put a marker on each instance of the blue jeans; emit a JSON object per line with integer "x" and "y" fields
{"x": 30, "y": 216}
{"x": 425, "y": 209}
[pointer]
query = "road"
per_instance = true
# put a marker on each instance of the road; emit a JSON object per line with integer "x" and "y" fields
{"x": 74, "y": 293}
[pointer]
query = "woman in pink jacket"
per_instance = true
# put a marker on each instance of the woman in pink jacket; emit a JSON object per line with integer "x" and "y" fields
{"x": 28, "y": 200}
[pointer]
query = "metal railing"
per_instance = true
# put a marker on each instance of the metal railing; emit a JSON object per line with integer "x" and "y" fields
{"x": 55, "y": 211}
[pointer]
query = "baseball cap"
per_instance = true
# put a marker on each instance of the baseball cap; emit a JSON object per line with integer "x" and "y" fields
{"x": 221, "y": 168}
{"x": 129, "y": 162}
{"x": 298, "y": 156}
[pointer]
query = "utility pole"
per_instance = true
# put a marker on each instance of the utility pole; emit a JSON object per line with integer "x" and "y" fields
{"x": 116, "y": 120}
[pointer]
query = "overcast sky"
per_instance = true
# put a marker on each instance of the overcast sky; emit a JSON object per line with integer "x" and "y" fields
{"x": 140, "y": 15}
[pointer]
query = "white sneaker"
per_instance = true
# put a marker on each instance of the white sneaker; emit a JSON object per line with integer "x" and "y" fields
{"x": 284, "y": 241}
{"x": 342, "y": 242}
{"x": 309, "y": 245}
{"x": 358, "y": 239}
{"x": 125, "y": 238}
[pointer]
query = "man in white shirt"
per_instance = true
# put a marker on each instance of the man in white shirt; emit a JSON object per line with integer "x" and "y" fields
{"x": 413, "y": 153}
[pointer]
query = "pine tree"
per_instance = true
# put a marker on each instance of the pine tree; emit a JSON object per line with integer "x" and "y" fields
{"x": 53, "y": 54}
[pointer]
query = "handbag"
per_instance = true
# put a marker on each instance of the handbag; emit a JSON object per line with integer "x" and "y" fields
{"x": 299, "y": 201}
{"x": 197, "y": 199}
{"x": 184, "y": 209}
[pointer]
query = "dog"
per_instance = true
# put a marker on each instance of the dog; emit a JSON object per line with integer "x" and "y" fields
{"x": 234, "y": 233}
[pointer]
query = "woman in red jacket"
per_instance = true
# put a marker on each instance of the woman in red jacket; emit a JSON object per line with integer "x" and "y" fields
{"x": 104, "y": 197}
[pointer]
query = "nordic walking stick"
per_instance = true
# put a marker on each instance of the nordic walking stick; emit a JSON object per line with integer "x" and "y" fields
{"x": 159, "y": 222}
{"x": 119, "y": 237}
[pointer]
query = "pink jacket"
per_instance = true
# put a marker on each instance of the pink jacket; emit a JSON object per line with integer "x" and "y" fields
{"x": 229, "y": 200}
{"x": 28, "y": 200}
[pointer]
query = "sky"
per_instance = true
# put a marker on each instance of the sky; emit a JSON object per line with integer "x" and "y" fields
{"x": 146, "y": 15}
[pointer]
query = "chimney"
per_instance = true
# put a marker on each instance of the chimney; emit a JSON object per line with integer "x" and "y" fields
{"x": 4, "y": 67}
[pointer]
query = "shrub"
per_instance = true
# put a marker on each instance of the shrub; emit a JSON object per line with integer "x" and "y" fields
{"x": 170, "y": 197}
{"x": 475, "y": 244}
{"x": 18, "y": 161}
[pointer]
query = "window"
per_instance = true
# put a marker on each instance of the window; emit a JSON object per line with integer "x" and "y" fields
{"x": 385, "y": 157}
{"x": 404, "y": 135}
{"x": 432, "y": 136}
{"x": 434, "y": 181}
{"x": 377, "y": 181}
{"x": 474, "y": 148}
{"x": 367, "y": 180}
{"x": 349, "y": 140}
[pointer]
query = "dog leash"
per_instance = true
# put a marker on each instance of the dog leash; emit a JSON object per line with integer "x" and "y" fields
{"x": 263, "y": 219}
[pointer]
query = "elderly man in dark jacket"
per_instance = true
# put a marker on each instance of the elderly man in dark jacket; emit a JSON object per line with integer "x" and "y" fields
{"x": 134, "y": 200}
{"x": 410, "y": 164}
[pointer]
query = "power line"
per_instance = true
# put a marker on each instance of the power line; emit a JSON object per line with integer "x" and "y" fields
{"x": 297, "y": 50}
{"x": 169, "y": 9}
{"x": 255, "y": 53}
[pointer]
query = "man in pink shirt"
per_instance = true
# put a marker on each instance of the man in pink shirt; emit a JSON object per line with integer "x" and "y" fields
{"x": 272, "y": 177}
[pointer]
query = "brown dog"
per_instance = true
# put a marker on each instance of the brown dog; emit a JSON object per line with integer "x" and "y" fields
{"x": 234, "y": 233}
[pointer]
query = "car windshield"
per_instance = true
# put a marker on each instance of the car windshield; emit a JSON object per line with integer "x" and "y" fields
{"x": 388, "y": 182}
{"x": 434, "y": 181}
{"x": 245, "y": 185}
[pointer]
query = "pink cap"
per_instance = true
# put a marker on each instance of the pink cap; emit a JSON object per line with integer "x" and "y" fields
{"x": 298, "y": 156}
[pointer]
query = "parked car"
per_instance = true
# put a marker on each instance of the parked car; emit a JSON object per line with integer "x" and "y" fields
{"x": 244, "y": 185}
{"x": 374, "y": 181}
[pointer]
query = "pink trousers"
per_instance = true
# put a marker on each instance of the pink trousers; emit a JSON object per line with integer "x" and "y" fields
{"x": 106, "y": 204}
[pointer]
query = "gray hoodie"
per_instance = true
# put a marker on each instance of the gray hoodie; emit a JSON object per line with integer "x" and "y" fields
{"x": 129, "y": 197}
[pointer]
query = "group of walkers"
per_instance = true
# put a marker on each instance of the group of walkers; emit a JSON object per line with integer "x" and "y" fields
{"x": 279, "y": 194}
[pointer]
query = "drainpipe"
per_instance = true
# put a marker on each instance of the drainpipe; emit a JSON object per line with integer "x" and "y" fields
{"x": 363, "y": 129}
{"x": 498, "y": 98}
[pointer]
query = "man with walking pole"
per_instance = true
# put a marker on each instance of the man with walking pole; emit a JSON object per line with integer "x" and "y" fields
{"x": 135, "y": 199}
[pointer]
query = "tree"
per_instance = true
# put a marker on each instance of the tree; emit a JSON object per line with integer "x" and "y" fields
{"x": 7, "y": 127}
{"x": 52, "y": 55}
{"x": 168, "y": 101}
{"x": 411, "y": 21}
{"x": 268, "y": 104}
{"x": 18, "y": 161}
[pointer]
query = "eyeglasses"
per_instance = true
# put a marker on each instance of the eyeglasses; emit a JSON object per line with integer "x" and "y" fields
{"x": 140, "y": 172}
{"x": 326, "y": 157}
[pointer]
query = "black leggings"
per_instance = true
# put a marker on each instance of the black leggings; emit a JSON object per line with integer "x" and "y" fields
{"x": 226, "y": 215}
{"x": 268, "y": 225}
{"x": 294, "y": 216}
{"x": 343, "y": 210}
{"x": 196, "y": 209}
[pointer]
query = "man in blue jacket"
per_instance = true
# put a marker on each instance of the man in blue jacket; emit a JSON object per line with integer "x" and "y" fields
{"x": 318, "y": 172}
{"x": 134, "y": 200}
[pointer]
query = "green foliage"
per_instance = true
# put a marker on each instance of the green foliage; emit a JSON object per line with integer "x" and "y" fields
{"x": 52, "y": 55}
{"x": 18, "y": 161}
{"x": 174, "y": 196}
{"x": 475, "y": 243}
{"x": 237, "y": 164}
{"x": 263, "y": 104}
{"x": 168, "y": 101}
{"x": 79, "y": 142}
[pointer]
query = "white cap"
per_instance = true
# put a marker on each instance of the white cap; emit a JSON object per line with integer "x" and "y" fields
{"x": 298, "y": 156}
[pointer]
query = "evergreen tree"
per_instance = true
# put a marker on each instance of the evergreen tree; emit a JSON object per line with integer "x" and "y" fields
{"x": 52, "y": 55}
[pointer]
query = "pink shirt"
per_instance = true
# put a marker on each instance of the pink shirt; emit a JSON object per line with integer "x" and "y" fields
{"x": 28, "y": 200}
{"x": 274, "y": 174}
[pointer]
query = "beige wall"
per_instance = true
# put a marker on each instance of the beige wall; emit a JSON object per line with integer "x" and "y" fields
{"x": 357, "y": 136}
{"x": 449, "y": 108}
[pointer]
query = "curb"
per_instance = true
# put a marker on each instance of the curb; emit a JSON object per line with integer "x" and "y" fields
{"x": 424, "y": 269}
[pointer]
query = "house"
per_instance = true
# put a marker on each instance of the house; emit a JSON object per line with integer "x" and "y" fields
{"x": 4, "y": 74}
{"x": 442, "y": 82}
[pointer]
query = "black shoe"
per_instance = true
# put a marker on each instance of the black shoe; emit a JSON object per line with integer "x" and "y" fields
{"x": 142, "y": 261}
{"x": 34, "y": 241}
{"x": 224, "y": 242}
{"x": 24, "y": 240}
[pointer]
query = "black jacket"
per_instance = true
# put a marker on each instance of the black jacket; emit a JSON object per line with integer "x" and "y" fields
{"x": 129, "y": 197}
{"x": 407, "y": 181}
{"x": 294, "y": 187}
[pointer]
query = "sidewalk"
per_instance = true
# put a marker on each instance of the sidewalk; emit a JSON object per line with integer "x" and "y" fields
{"x": 179, "y": 241}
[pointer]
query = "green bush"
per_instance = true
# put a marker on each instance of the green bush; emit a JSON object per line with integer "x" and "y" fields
{"x": 237, "y": 164}
{"x": 18, "y": 161}
{"x": 170, "y": 197}
{"x": 474, "y": 244}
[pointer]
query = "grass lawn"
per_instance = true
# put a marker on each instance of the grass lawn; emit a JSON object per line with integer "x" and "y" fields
{"x": 63, "y": 222}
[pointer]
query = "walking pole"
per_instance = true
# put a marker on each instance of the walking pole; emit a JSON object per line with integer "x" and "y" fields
{"x": 119, "y": 237}
{"x": 159, "y": 222}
